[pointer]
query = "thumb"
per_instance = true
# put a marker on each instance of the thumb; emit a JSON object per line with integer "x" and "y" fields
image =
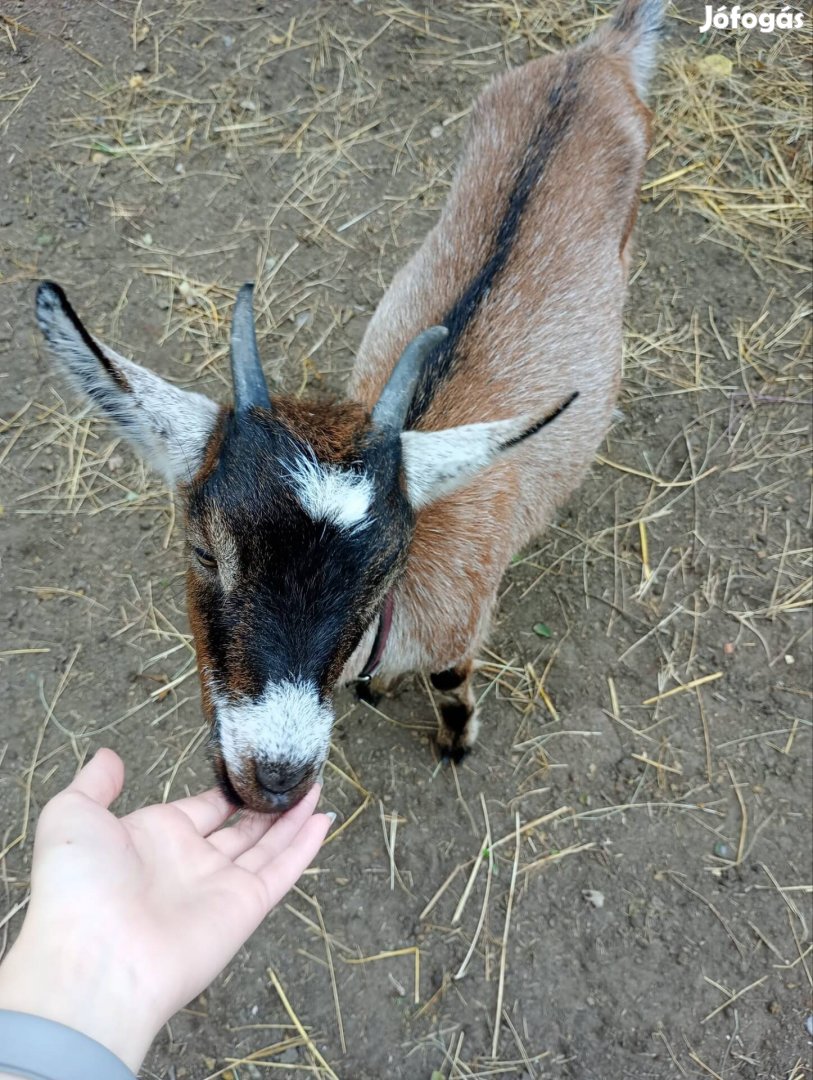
{"x": 101, "y": 780}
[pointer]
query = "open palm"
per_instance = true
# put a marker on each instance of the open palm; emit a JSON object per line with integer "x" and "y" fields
{"x": 161, "y": 899}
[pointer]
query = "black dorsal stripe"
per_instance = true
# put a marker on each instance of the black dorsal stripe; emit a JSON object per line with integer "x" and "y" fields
{"x": 449, "y": 355}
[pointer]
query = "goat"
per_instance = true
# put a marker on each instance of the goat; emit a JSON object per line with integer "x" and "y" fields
{"x": 326, "y": 540}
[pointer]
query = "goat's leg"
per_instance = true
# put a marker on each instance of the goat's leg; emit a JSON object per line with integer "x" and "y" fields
{"x": 372, "y": 692}
{"x": 459, "y": 721}
{"x": 365, "y": 691}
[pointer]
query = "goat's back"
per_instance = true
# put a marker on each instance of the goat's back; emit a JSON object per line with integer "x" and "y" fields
{"x": 527, "y": 267}
{"x": 525, "y": 259}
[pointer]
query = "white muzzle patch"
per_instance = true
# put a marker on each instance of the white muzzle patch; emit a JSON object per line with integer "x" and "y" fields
{"x": 287, "y": 725}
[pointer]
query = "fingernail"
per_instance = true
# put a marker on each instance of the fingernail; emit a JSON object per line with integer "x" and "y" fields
{"x": 331, "y": 815}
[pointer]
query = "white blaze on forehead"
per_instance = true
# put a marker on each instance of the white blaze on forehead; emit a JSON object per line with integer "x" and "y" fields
{"x": 287, "y": 725}
{"x": 329, "y": 493}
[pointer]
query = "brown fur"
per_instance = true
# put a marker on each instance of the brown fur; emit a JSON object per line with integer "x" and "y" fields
{"x": 333, "y": 429}
{"x": 547, "y": 324}
{"x": 550, "y": 324}
{"x": 196, "y": 611}
{"x": 209, "y": 463}
{"x": 527, "y": 270}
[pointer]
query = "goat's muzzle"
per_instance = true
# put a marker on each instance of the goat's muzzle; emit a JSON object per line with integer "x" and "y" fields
{"x": 270, "y": 749}
{"x": 266, "y": 788}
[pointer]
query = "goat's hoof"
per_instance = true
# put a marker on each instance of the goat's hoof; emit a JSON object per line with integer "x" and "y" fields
{"x": 450, "y": 755}
{"x": 455, "y": 755}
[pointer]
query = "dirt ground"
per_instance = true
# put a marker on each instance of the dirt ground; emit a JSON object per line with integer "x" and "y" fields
{"x": 651, "y": 737}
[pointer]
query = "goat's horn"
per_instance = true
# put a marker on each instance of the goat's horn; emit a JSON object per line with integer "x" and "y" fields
{"x": 246, "y": 370}
{"x": 391, "y": 409}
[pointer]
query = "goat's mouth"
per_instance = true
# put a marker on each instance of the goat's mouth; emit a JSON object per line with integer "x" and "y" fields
{"x": 262, "y": 788}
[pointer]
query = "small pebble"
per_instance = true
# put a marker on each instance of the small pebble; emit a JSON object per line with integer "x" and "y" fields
{"x": 187, "y": 292}
{"x": 436, "y": 131}
{"x": 180, "y": 168}
{"x": 728, "y": 648}
{"x": 249, "y": 106}
{"x": 594, "y": 897}
{"x": 146, "y": 239}
{"x": 228, "y": 40}
{"x": 789, "y": 659}
{"x": 723, "y": 851}
{"x": 809, "y": 1025}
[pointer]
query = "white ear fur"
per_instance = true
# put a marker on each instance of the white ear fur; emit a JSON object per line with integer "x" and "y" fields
{"x": 437, "y": 462}
{"x": 168, "y": 426}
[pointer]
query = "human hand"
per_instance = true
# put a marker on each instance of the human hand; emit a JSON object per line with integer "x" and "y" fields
{"x": 130, "y": 918}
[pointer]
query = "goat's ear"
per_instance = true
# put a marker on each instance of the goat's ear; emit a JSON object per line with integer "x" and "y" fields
{"x": 437, "y": 462}
{"x": 168, "y": 426}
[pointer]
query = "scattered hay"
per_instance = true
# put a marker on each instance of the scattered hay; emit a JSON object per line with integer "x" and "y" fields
{"x": 731, "y": 162}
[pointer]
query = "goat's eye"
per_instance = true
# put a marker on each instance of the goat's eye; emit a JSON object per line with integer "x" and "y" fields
{"x": 205, "y": 559}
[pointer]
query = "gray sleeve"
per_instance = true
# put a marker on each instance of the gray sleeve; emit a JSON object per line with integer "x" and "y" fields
{"x": 37, "y": 1049}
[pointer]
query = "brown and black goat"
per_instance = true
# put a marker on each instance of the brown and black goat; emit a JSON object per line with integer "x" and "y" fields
{"x": 328, "y": 539}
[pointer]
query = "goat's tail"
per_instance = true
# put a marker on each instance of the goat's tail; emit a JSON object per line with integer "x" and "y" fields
{"x": 633, "y": 31}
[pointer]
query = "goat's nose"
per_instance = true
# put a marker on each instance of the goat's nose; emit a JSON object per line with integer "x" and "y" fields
{"x": 276, "y": 779}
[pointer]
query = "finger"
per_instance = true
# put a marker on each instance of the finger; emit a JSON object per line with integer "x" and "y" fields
{"x": 281, "y": 873}
{"x": 281, "y": 833}
{"x": 238, "y": 838}
{"x": 101, "y": 779}
{"x": 206, "y": 811}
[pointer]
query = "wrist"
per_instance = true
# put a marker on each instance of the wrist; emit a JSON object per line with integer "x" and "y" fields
{"x": 73, "y": 984}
